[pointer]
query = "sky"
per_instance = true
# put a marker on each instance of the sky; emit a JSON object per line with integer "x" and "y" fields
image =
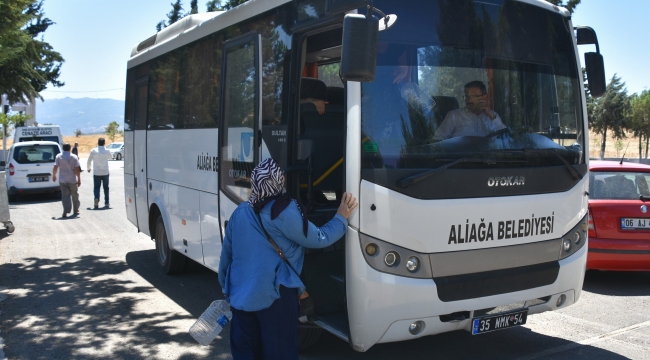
{"x": 95, "y": 38}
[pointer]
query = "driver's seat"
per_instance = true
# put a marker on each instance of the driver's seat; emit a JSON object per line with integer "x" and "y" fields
{"x": 444, "y": 104}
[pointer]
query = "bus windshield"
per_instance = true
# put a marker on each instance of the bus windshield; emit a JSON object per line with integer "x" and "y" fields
{"x": 495, "y": 82}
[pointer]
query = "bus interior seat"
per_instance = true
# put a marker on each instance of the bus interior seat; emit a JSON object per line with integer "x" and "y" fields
{"x": 335, "y": 95}
{"x": 313, "y": 88}
{"x": 444, "y": 104}
{"x": 327, "y": 131}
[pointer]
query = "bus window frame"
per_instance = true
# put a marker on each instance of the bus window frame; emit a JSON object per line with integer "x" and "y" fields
{"x": 228, "y": 45}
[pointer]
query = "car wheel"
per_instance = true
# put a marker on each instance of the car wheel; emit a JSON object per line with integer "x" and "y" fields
{"x": 118, "y": 157}
{"x": 171, "y": 261}
{"x": 308, "y": 335}
{"x": 10, "y": 227}
{"x": 12, "y": 197}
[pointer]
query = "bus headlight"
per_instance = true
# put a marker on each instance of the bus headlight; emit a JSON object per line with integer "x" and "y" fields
{"x": 574, "y": 239}
{"x": 413, "y": 264}
{"x": 391, "y": 259}
{"x": 387, "y": 258}
{"x": 371, "y": 249}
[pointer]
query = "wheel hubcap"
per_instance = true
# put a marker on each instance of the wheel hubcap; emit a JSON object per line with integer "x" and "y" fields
{"x": 161, "y": 242}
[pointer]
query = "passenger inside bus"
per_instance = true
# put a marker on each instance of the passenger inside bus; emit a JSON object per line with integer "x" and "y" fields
{"x": 325, "y": 127}
{"x": 476, "y": 119}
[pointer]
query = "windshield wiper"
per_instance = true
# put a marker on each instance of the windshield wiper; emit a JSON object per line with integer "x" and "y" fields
{"x": 644, "y": 198}
{"x": 576, "y": 175}
{"x": 410, "y": 180}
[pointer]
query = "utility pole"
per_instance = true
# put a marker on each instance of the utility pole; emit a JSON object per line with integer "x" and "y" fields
{"x": 5, "y": 110}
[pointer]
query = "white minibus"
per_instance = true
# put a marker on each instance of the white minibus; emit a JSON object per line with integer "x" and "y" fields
{"x": 472, "y": 231}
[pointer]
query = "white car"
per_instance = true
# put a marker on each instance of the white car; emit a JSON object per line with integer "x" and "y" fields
{"x": 117, "y": 150}
{"x": 29, "y": 170}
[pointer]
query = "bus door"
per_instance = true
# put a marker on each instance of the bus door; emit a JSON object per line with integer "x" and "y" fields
{"x": 240, "y": 121}
{"x": 140, "y": 157}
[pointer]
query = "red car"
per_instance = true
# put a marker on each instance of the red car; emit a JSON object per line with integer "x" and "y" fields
{"x": 619, "y": 221}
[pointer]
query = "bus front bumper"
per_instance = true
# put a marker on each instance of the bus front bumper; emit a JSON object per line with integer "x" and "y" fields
{"x": 382, "y": 306}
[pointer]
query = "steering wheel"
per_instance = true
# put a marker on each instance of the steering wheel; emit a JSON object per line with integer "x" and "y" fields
{"x": 499, "y": 133}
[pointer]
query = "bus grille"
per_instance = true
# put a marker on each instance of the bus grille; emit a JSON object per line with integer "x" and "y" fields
{"x": 475, "y": 285}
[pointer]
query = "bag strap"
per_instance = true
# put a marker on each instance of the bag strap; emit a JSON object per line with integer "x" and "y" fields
{"x": 275, "y": 246}
{"x": 278, "y": 251}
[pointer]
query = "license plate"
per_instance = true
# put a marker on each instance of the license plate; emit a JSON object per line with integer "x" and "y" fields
{"x": 497, "y": 322}
{"x": 635, "y": 223}
{"x": 37, "y": 179}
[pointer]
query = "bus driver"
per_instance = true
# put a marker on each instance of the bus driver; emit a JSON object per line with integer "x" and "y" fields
{"x": 475, "y": 119}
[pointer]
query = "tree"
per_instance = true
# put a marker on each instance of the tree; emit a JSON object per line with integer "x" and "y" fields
{"x": 27, "y": 65}
{"x": 173, "y": 16}
{"x": 9, "y": 121}
{"x": 78, "y": 133}
{"x": 639, "y": 119}
{"x": 194, "y": 7}
{"x": 216, "y": 5}
{"x": 609, "y": 113}
{"x": 111, "y": 130}
{"x": 568, "y": 4}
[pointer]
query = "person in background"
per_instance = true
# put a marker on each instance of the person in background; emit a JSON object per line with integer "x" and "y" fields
{"x": 100, "y": 174}
{"x": 260, "y": 286}
{"x": 75, "y": 151}
{"x": 475, "y": 119}
{"x": 69, "y": 180}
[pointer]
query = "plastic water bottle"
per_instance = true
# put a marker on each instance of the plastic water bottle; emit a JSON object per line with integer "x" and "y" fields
{"x": 418, "y": 99}
{"x": 211, "y": 322}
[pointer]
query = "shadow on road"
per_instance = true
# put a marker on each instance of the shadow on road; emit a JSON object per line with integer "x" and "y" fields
{"x": 618, "y": 283}
{"x": 34, "y": 199}
{"x": 193, "y": 290}
{"x": 197, "y": 287}
{"x": 72, "y": 308}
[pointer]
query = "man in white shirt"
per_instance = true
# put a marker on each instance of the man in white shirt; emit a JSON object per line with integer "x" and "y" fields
{"x": 100, "y": 174}
{"x": 475, "y": 119}
{"x": 69, "y": 180}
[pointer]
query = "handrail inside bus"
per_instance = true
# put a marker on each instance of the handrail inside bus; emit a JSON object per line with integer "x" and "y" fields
{"x": 330, "y": 170}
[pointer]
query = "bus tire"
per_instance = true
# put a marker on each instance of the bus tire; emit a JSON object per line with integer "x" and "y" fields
{"x": 171, "y": 261}
{"x": 308, "y": 335}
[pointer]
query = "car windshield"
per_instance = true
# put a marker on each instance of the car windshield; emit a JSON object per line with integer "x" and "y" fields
{"x": 464, "y": 79}
{"x": 618, "y": 185}
{"x": 35, "y": 154}
{"x": 114, "y": 146}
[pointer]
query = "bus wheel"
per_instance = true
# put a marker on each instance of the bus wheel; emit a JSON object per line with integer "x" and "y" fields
{"x": 308, "y": 335}
{"x": 171, "y": 261}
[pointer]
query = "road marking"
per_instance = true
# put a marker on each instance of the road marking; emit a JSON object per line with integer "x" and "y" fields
{"x": 589, "y": 341}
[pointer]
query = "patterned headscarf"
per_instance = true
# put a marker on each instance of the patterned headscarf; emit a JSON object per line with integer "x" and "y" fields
{"x": 266, "y": 181}
{"x": 267, "y": 185}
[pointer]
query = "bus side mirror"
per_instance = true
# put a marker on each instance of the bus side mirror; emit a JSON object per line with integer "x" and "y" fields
{"x": 359, "y": 48}
{"x": 594, "y": 63}
{"x": 595, "y": 74}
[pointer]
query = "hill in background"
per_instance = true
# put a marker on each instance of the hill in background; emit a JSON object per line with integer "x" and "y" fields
{"x": 87, "y": 114}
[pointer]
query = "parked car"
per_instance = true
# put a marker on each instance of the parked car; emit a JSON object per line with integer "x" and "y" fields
{"x": 619, "y": 221}
{"x": 29, "y": 169}
{"x": 117, "y": 150}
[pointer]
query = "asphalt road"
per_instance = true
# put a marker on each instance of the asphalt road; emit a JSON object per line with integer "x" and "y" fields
{"x": 89, "y": 287}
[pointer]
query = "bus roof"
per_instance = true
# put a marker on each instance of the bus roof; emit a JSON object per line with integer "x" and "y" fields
{"x": 194, "y": 27}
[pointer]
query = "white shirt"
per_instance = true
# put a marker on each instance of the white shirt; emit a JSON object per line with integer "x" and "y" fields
{"x": 462, "y": 122}
{"x": 100, "y": 156}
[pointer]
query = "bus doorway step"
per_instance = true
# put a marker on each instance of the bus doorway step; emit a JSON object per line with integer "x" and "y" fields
{"x": 335, "y": 323}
